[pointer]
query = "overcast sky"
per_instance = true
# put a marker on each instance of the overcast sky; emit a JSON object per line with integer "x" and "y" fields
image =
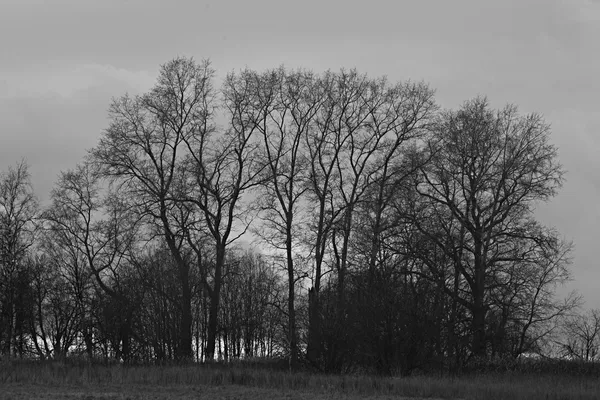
{"x": 61, "y": 61}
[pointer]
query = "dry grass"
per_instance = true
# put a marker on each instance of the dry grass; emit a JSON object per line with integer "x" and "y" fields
{"x": 58, "y": 381}
{"x": 151, "y": 392}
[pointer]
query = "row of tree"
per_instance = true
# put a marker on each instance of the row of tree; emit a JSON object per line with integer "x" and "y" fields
{"x": 393, "y": 235}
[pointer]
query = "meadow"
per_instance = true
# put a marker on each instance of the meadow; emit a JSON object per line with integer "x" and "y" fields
{"x": 47, "y": 380}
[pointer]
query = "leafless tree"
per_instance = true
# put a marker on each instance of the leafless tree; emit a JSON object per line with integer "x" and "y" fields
{"x": 487, "y": 170}
{"x": 223, "y": 166}
{"x": 282, "y": 107}
{"x": 18, "y": 211}
{"x": 93, "y": 231}
{"x": 581, "y": 336}
{"x": 355, "y": 147}
{"x": 144, "y": 148}
{"x": 522, "y": 295}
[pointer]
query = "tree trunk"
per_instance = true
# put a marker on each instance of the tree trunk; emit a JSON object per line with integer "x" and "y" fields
{"x": 314, "y": 307}
{"x": 291, "y": 294}
{"x": 126, "y": 341}
{"x": 343, "y": 265}
{"x": 314, "y": 329}
{"x": 478, "y": 309}
{"x": 214, "y": 304}
{"x": 87, "y": 338}
{"x": 452, "y": 335}
{"x": 478, "y": 345}
{"x": 184, "y": 350}
{"x": 9, "y": 318}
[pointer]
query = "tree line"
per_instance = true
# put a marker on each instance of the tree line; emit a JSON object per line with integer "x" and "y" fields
{"x": 390, "y": 234}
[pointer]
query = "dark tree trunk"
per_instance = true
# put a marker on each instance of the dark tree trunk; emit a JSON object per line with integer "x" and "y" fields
{"x": 213, "y": 315}
{"x": 184, "y": 350}
{"x": 478, "y": 310}
{"x": 8, "y": 309}
{"x": 314, "y": 348}
{"x": 314, "y": 328}
{"x": 291, "y": 294}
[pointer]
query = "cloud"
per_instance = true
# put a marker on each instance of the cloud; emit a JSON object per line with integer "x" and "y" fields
{"x": 50, "y": 116}
{"x": 588, "y": 11}
{"x": 66, "y": 80}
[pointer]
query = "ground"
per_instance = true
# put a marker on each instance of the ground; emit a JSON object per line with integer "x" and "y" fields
{"x": 156, "y": 392}
{"x": 57, "y": 381}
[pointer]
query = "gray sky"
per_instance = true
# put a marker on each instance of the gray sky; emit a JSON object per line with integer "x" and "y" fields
{"x": 62, "y": 60}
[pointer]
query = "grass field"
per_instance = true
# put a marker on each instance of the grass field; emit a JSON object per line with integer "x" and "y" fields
{"x": 57, "y": 381}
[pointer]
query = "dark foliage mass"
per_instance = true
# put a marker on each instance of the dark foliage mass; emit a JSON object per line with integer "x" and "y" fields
{"x": 387, "y": 235}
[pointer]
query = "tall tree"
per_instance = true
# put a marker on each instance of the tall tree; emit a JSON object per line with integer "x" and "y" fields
{"x": 487, "y": 171}
{"x": 144, "y": 148}
{"x": 283, "y": 107}
{"x": 222, "y": 167}
{"x": 357, "y": 141}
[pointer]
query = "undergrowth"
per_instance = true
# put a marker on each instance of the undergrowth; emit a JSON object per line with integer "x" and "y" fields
{"x": 489, "y": 386}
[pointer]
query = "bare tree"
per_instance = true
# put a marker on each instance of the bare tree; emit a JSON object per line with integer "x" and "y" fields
{"x": 144, "y": 148}
{"x": 223, "y": 167}
{"x": 581, "y": 336}
{"x": 283, "y": 105}
{"x": 64, "y": 290}
{"x": 90, "y": 226}
{"x": 355, "y": 146}
{"x": 18, "y": 210}
{"x": 323, "y": 147}
{"x": 524, "y": 292}
{"x": 487, "y": 170}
